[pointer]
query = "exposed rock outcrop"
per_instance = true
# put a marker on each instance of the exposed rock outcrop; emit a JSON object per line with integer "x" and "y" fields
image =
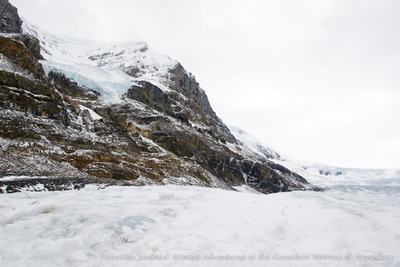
{"x": 24, "y": 86}
{"x": 10, "y": 22}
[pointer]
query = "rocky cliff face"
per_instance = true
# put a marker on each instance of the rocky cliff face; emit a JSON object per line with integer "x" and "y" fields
{"x": 10, "y": 22}
{"x": 160, "y": 128}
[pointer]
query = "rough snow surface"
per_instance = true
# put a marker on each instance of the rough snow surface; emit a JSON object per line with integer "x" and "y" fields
{"x": 193, "y": 226}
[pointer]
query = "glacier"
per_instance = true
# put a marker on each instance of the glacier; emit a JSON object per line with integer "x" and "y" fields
{"x": 197, "y": 226}
{"x": 108, "y": 68}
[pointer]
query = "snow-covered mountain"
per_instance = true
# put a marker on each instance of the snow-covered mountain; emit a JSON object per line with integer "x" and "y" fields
{"x": 120, "y": 112}
{"x": 125, "y": 112}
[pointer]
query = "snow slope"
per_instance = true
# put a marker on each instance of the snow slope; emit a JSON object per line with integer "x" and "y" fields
{"x": 250, "y": 142}
{"x": 193, "y": 226}
{"x": 109, "y": 68}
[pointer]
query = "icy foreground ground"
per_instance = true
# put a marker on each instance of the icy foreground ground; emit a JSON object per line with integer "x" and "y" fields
{"x": 192, "y": 226}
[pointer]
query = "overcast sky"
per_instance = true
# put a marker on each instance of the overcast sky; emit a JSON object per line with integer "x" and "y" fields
{"x": 319, "y": 81}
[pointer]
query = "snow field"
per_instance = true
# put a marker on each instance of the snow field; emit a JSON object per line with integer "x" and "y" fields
{"x": 193, "y": 226}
